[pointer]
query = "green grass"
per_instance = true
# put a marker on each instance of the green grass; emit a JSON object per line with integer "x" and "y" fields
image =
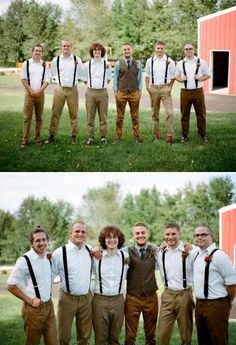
{"x": 218, "y": 155}
{"x": 11, "y": 326}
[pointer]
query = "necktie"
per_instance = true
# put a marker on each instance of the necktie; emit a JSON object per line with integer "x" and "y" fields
{"x": 142, "y": 252}
{"x": 128, "y": 64}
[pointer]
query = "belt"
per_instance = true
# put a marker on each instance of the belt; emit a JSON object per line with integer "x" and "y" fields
{"x": 67, "y": 87}
{"x": 107, "y": 296}
{"x": 159, "y": 86}
{"x": 196, "y": 89}
{"x": 177, "y": 292}
{"x": 212, "y": 300}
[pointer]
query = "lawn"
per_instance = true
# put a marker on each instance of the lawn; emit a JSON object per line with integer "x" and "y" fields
{"x": 11, "y": 325}
{"x": 218, "y": 155}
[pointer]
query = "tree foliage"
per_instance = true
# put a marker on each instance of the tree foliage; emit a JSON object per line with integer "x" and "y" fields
{"x": 189, "y": 206}
{"x": 25, "y": 24}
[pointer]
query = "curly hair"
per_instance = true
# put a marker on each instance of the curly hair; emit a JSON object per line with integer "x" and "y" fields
{"x": 107, "y": 231}
{"x": 97, "y": 46}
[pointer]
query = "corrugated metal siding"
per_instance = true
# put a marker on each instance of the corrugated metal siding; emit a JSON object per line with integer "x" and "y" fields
{"x": 229, "y": 232}
{"x": 219, "y": 33}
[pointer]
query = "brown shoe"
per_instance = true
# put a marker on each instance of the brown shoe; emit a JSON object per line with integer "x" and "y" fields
{"x": 73, "y": 140}
{"x": 38, "y": 141}
{"x": 24, "y": 144}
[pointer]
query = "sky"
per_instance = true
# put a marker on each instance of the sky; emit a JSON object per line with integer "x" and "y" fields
{"x": 70, "y": 187}
{"x": 65, "y": 4}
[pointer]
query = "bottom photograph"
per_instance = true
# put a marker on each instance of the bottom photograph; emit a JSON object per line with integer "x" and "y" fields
{"x": 118, "y": 258}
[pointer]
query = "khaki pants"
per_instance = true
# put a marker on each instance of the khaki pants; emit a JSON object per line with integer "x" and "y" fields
{"x": 134, "y": 306}
{"x": 96, "y": 99}
{"x": 32, "y": 104}
{"x": 195, "y": 97}
{"x": 39, "y": 321}
{"x": 176, "y": 305}
{"x": 133, "y": 98}
{"x": 108, "y": 316}
{"x": 70, "y": 96}
{"x": 80, "y": 308}
{"x": 212, "y": 324}
{"x": 158, "y": 94}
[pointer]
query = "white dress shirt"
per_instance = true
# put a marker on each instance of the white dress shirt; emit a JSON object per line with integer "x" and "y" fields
{"x": 159, "y": 70}
{"x": 190, "y": 67}
{"x": 79, "y": 268}
{"x": 97, "y": 73}
{"x": 174, "y": 267}
{"x": 66, "y": 69}
{"x": 221, "y": 273}
{"x": 36, "y": 73}
{"x": 111, "y": 269}
{"x": 20, "y": 275}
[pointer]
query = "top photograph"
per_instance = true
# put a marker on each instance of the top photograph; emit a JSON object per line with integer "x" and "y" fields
{"x": 117, "y": 86}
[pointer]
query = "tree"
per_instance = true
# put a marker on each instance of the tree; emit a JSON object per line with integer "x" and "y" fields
{"x": 7, "y": 236}
{"x": 26, "y": 23}
{"x": 101, "y": 206}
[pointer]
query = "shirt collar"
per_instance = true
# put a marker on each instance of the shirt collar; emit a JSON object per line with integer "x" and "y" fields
{"x": 104, "y": 253}
{"x": 93, "y": 61}
{"x": 191, "y": 61}
{"x": 34, "y": 255}
{"x": 69, "y": 57}
{"x": 138, "y": 248}
{"x": 179, "y": 247}
{"x": 71, "y": 245}
{"x": 164, "y": 57}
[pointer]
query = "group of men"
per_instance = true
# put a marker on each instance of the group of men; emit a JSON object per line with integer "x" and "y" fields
{"x": 160, "y": 74}
{"x": 203, "y": 267}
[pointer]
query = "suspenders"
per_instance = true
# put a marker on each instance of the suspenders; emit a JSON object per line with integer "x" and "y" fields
{"x": 104, "y": 74}
{"x": 121, "y": 276}
{"x": 58, "y": 71}
{"x": 32, "y": 275}
{"x": 28, "y": 73}
{"x": 166, "y": 71}
{"x": 206, "y": 276}
{"x": 64, "y": 255}
{"x": 196, "y": 72}
{"x": 183, "y": 267}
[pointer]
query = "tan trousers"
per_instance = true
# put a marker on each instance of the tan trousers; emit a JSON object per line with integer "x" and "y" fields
{"x": 80, "y": 308}
{"x": 134, "y": 306}
{"x": 212, "y": 321}
{"x": 39, "y": 321}
{"x": 176, "y": 305}
{"x": 122, "y": 99}
{"x": 32, "y": 104}
{"x": 108, "y": 316}
{"x": 195, "y": 97}
{"x": 69, "y": 95}
{"x": 160, "y": 94}
{"x": 96, "y": 99}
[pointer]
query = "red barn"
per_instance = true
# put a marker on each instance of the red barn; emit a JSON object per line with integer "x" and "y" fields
{"x": 217, "y": 45}
{"x": 228, "y": 231}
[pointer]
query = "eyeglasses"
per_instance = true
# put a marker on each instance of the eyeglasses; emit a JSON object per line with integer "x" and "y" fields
{"x": 188, "y": 48}
{"x": 204, "y": 235}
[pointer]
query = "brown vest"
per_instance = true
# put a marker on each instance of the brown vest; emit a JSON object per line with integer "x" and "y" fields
{"x": 141, "y": 279}
{"x": 128, "y": 77}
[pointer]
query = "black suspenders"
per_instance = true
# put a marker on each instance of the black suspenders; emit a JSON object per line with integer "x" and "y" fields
{"x": 58, "y": 71}
{"x": 28, "y": 73}
{"x": 121, "y": 276}
{"x": 196, "y": 72}
{"x": 64, "y": 255}
{"x": 104, "y": 74}
{"x": 206, "y": 275}
{"x": 183, "y": 267}
{"x": 166, "y": 71}
{"x": 65, "y": 268}
{"x": 32, "y": 275}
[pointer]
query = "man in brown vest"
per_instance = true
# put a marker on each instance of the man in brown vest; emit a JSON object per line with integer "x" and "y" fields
{"x": 127, "y": 87}
{"x": 141, "y": 288}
